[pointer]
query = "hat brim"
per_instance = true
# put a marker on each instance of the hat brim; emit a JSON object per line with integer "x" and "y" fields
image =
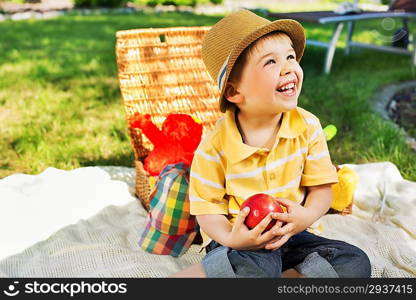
{"x": 156, "y": 242}
{"x": 291, "y": 27}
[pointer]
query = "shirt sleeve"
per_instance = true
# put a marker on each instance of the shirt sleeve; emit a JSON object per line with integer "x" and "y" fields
{"x": 207, "y": 182}
{"x": 318, "y": 168}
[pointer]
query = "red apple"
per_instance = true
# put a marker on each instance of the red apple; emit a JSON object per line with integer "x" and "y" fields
{"x": 260, "y": 206}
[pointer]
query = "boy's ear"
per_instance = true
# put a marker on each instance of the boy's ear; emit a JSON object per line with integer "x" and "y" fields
{"x": 232, "y": 94}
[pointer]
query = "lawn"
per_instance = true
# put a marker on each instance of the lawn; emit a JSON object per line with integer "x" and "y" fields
{"x": 60, "y": 104}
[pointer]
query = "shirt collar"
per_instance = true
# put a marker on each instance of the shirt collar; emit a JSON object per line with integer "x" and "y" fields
{"x": 293, "y": 124}
{"x": 234, "y": 148}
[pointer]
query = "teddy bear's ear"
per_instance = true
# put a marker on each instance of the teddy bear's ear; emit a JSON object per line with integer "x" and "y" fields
{"x": 149, "y": 129}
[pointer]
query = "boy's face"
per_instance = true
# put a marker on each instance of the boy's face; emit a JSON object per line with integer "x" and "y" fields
{"x": 271, "y": 79}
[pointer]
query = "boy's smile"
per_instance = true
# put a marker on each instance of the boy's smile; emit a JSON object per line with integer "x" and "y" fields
{"x": 289, "y": 88}
{"x": 271, "y": 80}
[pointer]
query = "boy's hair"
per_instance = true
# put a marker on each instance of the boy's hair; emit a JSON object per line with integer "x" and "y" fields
{"x": 236, "y": 72}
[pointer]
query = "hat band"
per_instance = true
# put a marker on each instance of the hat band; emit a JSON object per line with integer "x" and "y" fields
{"x": 221, "y": 74}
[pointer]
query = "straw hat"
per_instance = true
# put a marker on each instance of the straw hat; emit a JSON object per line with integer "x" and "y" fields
{"x": 231, "y": 35}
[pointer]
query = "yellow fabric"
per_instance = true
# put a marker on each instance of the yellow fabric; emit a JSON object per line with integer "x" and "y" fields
{"x": 152, "y": 182}
{"x": 225, "y": 171}
{"x": 343, "y": 191}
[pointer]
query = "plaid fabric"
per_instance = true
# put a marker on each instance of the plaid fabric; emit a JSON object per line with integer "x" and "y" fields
{"x": 155, "y": 242}
{"x": 170, "y": 229}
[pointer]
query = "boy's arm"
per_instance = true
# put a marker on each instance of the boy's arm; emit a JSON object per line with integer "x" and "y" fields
{"x": 216, "y": 227}
{"x": 318, "y": 200}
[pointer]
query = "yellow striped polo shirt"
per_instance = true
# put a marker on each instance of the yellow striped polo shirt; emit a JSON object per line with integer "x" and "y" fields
{"x": 225, "y": 171}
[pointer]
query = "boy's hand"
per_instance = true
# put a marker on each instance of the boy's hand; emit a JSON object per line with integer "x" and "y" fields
{"x": 297, "y": 219}
{"x": 242, "y": 238}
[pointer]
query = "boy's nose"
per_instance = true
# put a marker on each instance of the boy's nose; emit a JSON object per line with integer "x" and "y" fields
{"x": 287, "y": 68}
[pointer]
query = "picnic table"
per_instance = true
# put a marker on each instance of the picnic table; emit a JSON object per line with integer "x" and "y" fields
{"x": 330, "y": 17}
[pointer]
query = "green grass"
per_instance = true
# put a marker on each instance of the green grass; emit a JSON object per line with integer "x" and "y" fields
{"x": 60, "y": 103}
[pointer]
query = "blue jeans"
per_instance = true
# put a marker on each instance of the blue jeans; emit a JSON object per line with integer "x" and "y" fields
{"x": 309, "y": 254}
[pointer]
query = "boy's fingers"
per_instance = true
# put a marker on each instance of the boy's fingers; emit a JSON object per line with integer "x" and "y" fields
{"x": 269, "y": 234}
{"x": 283, "y": 230}
{"x": 242, "y": 216}
{"x": 286, "y": 202}
{"x": 263, "y": 224}
{"x": 270, "y": 242}
{"x": 283, "y": 217}
{"x": 276, "y": 226}
{"x": 279, "y": 243}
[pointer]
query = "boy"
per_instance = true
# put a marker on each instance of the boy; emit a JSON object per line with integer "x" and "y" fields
{"x": 264, "y": 144}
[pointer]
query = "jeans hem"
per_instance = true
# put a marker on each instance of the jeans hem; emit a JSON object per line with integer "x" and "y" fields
{"x": 215, "y": 258}
{"x": 316, "y": 266}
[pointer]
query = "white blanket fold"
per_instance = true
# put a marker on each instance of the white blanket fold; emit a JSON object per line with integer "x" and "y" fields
{"x": 86, "y": 223}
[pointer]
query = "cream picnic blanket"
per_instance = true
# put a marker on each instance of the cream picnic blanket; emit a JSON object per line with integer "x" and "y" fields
{"x": 86, "y": 223}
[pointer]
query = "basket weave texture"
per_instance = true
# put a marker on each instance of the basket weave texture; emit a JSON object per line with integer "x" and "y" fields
{"x": 161, "y": 71}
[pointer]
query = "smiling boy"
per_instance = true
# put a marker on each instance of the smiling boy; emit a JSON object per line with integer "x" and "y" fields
{"x": 264, "y": 144}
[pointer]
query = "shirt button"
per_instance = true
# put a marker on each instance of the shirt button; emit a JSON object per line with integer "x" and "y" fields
{"x": 272, "y": 176}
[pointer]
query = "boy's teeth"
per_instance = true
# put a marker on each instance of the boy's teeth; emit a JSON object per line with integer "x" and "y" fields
{"x": 286, "y": 87}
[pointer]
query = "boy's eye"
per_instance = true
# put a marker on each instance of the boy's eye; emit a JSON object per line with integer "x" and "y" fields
{"x": 291, "y": 56}
{"x": 269, "y": 61}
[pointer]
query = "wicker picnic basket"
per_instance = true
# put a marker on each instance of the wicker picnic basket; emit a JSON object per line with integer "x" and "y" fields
{"x": 161, "y": 71}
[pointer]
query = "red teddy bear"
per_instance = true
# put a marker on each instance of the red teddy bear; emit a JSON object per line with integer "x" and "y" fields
{"x": 175, "y": 142}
